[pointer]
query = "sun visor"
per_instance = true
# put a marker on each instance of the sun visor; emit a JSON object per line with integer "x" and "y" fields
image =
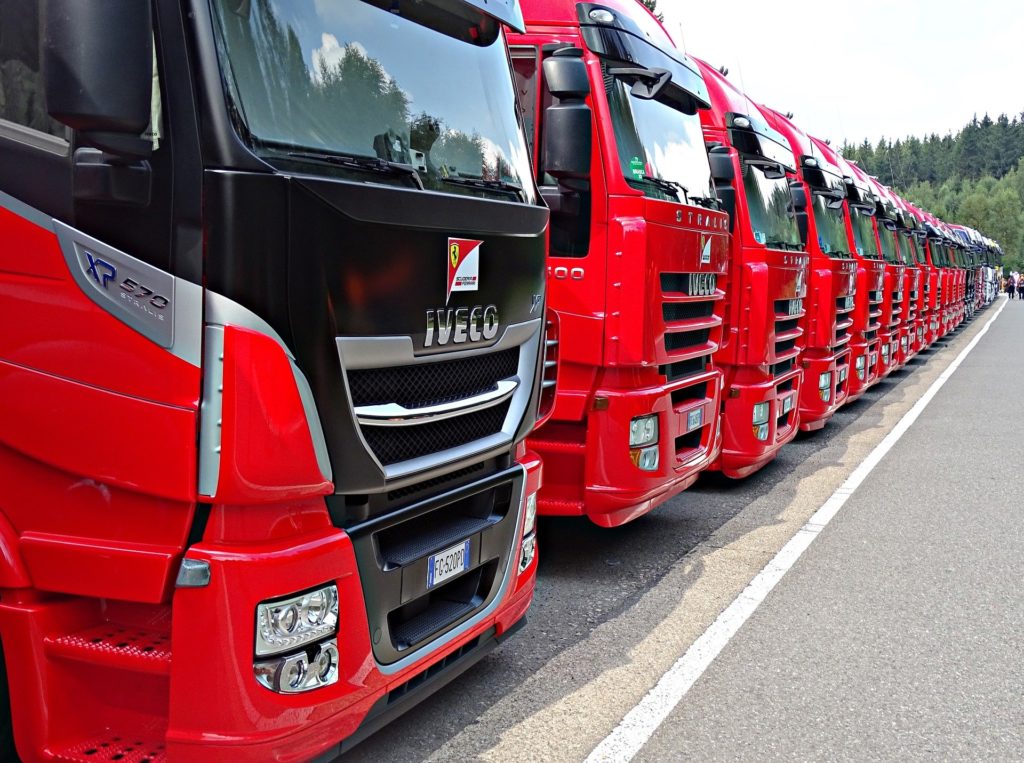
{"x": 617, "y": 38}
{"x": 506, "y": 11}
{"x": 754, "y": 138}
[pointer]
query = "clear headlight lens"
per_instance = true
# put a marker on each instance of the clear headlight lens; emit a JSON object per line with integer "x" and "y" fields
{"x": 825, "y": 380}
{"x": 761, "y": 432}
{"x": 530, "y": 521}
{"x": 643, "y": 430}
{"x": 286, "y": 624}
{"x": 645, "y": 459}
{"x": 760, "y": 416}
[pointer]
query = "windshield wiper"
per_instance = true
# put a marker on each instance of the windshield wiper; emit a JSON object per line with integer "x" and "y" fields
{"x": 669, "y": 186}
{"x": 489, "y": 185}
{"x": 361, "y": 162}
{"x": 787, "y": 245}
{"x": 708, "y": 202}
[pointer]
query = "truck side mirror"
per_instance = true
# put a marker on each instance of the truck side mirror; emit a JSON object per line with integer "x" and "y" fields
{"x": 98, "y": 69}
{"x": 722, "y": 169}
{"x": 723, "y": 174}
{"x": 567, "y": 126}
{"x": 799, "y": 195}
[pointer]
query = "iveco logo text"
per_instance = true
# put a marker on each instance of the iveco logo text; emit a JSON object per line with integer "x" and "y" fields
{"x": 460, "y": 325}
{"x": 702, "y": 284}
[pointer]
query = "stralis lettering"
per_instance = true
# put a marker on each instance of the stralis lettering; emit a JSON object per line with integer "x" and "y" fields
{"x": 460, "y": 325}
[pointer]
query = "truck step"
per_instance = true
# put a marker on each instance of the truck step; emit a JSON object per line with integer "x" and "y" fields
{"x": 557, "y": 446}
{"x": 116, "y": 646}
{"x": 113, "y": 748}
{"x": 562, "y": 506}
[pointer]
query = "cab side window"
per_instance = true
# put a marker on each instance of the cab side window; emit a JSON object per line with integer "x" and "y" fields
{"x": 22, "y": 97}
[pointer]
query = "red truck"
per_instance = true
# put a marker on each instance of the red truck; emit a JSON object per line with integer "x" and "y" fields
{"x": 273, "y": 289}
{"x": 869, "y": 343}
{"x": 831, "y": 280}
{"x": 936, "y": 288}
{"x": 637, "y": 265}
{"x": 902, "y": 272}
{"x": 912, "y": 243}
{"x": 767, "y": 279}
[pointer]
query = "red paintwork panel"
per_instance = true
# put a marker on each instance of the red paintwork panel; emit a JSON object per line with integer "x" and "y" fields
{"x": 59, "y": 330}
{"x": 98, "y": 435}
{"x": 99, "y": 567}
{"x": 267, "y": 450}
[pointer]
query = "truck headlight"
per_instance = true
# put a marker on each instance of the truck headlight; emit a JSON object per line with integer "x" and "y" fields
{"x": 286, "y": 624}
{"x": 761, "y": 411}
{"x": 530, "y": 521}
{"x": 761, "y": 432}
{"x": 825, "y": 380}
{"x": 645, "y": 459}
{"x": 643, "y": 430}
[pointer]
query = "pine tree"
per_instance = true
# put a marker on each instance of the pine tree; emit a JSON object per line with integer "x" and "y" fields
{"x": 652, "y": 6}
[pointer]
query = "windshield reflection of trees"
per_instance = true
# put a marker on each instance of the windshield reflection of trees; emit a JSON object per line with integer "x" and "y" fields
{"x": 771, "y": 216}
{"x": 348, "y": 104}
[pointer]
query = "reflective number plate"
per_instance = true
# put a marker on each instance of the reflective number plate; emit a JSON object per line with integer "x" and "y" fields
{"x": 694, "y": 419}
{"x": 794, "y": 307}
{"x": 873, "y": 358}
{"x": 447, "y": 564}
{"x": 787, "y": 404}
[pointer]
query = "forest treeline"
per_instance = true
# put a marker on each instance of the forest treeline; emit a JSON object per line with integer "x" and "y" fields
{"x": 974, "y": 176}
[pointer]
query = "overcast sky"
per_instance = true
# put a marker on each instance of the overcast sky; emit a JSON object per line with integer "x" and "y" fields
{"x": 864, "y": 69}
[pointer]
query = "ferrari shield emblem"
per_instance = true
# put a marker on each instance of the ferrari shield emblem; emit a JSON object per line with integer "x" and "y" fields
{"x": 463, "y": 265}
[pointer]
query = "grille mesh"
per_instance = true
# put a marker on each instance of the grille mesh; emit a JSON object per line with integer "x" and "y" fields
{"x": 423, "y": 384}
{"x": 394, "y": 444}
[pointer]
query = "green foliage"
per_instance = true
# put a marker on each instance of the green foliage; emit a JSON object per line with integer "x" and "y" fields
{"x": 652, "y": 6}
{"x": 974, "y": 177}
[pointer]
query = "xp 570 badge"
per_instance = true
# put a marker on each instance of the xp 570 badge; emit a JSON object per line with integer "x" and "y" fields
{"x": 463, "y": 265}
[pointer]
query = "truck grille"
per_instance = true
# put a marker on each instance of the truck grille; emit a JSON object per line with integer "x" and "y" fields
{"x": 417, "y": 386}
{"x": 393, "y": 445}
{"x": 787, "y": 327}
{"x": 692, "y": 328}
{"x": 875, "y": 299}
{"x": 844, "y": 320}
{"x": 410, "y": 410}
{"x": 897, "y": 307}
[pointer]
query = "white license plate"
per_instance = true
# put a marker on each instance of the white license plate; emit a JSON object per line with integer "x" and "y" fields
{"x": 873, "y": 358}
{"x": 447, "y": 564}
{"x": 787, "y": 404}
{"x": 794, "y": 307}
{"x": 694, "y": 419}
{"x": 842, "y": 374}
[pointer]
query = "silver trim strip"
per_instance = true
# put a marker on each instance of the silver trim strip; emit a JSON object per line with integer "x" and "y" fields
{"x": 360, "y": 352}
{"x": 21, "y": 209}
{"x": 499, "y": 598}
{"x": 211, "y": 412}
{"x": 396, "y": 415}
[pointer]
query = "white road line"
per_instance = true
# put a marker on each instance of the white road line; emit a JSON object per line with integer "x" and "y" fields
{"x": 642, "y": 721}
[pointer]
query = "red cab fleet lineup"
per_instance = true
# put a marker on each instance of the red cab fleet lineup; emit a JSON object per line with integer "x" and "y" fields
{"x": 311, "y": 309}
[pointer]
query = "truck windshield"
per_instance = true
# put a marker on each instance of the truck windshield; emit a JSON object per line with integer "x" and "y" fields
{"x": 914, "y": 256}
{"x": 771, "y": 209}
{"x": 408, "y": 94}
{"x": 864, "y": 235}
{"x": 890, "y": 250}
{"x": 831, "y": 228}
{"x": 661, "y": 149}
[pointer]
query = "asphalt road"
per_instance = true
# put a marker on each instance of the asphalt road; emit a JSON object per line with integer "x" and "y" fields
{"x": 893, "y": 636}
